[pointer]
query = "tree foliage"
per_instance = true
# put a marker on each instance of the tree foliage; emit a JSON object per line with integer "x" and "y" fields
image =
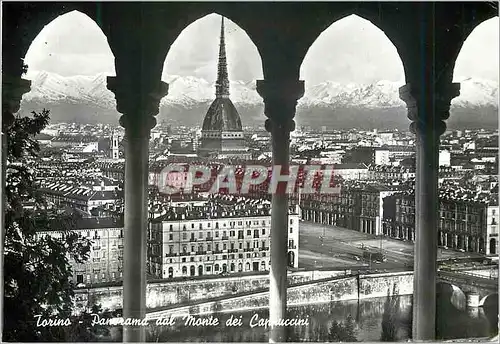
{"x": 36, "y": 267}
{"x": 342, "y": 331}
{"x": 390, "y": 318}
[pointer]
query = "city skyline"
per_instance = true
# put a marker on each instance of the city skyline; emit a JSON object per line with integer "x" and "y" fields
{"x": 73, "y": 44}
{"x": 144, "y": 203}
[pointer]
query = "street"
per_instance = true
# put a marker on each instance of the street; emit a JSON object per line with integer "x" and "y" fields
{"x": 324, "y": 246}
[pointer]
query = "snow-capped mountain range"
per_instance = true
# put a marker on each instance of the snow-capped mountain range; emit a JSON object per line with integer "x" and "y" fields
{"x": 188, "y": 93}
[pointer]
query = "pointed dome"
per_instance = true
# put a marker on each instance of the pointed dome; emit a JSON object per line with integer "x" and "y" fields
{"x": 223, "y": 116}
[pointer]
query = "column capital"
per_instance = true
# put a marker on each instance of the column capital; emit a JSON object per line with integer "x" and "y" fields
{"x": 280, "y": 101}
{"x": 138, "y": 105}
{"x": 441, "y": 101}
{"x": 13, "y": 89}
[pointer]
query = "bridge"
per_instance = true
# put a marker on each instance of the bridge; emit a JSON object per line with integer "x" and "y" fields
{"x": 476, "y": 287}
{"x": 304, "y": 286}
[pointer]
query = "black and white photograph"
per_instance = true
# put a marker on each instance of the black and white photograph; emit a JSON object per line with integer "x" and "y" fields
{"x": 249, "y": 172}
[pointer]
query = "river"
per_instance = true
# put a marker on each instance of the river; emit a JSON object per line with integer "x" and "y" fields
{"x": 366, "y": 314}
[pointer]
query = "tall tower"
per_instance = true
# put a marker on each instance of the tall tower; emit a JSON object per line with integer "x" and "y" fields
{"x": 115, "y": 152}
{"x": 222, "y": 133}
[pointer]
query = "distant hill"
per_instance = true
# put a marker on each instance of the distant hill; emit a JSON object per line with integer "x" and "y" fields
{"x": 85, "y": 99}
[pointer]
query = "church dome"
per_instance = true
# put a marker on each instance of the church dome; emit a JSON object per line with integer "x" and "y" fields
{"x": 222, "y": 116}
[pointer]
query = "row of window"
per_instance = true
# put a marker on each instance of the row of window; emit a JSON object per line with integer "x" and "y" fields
{"x": 256, "y": 234}
{"x": 217, "y": 268}
{"x": 102, "y": 254}
{"x": 104, "y": 278}
{"x": 217, "y": 246}
{"x": 231, "y": 224}
{"x": 221, "y": 257}
{"x": 97, "y": 234}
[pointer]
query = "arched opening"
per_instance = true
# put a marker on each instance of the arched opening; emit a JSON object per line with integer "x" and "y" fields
{"x": 224, "y": 268}
{"x": 170, "y": 272}
{"x": 493, "y": 246}
{"x": 68, "y": 63}
{"x": 358, "y": 81}
{"x": 184, "y": 271}
{"x": 191, "y": 68}
{"x": 232, "y": 267}
{"x": 489, "y": 304}
{"x": 476, "y": 68}
{"x": 192, "y": 270}
{"x": 200, "y": 270}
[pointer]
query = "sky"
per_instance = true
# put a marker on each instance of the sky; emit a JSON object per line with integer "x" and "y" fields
{"x": 350, "y": 50}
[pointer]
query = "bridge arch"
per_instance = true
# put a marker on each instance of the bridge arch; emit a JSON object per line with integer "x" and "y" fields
{"x": 447, "y": 292}
{"x": 489, "y": 300}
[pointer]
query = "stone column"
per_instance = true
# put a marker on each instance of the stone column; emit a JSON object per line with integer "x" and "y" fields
{"x": 280, "y": 100}
{"x": 13, "y": 89}
{"x": 428, "y": 107}
{"x": 138, "y": 119}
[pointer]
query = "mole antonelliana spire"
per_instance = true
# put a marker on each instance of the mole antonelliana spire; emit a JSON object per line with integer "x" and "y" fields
{"x": 222, "y": 83}
{"x": 222, "y": 134}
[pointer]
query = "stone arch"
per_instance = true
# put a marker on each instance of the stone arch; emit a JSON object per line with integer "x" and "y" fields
{"x": 449, "y": 294}
{"x": 209, "y": 20}
{"x": 325, "y": 20}
{"x": 489, "y": 300}
{"x": 22, "y": 24}
{"x": 53, "y": 57}
{"x": 468, "y": 44}
{"x": 471, "y": 69}
{"x": 63, "y": 18}
{"x": 317, "y": 65}
{"x": 489, "y": 304}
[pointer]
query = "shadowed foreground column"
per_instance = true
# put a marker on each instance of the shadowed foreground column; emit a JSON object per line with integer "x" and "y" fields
{"x": 138, "y": 120}
{"x": 427, "y": 110}
{"x": 12, "y": 92}
{"x": 280, "y": 100}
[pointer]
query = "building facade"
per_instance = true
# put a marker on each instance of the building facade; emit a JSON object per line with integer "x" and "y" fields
{"x": 105, "y": 262}
{"x": 222, "y": 133}
{"x": 358, "y": 208}
{"x": 492, "y": 230}
{"x": 198, "y": 241}
{"x": 461, "y": 225}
